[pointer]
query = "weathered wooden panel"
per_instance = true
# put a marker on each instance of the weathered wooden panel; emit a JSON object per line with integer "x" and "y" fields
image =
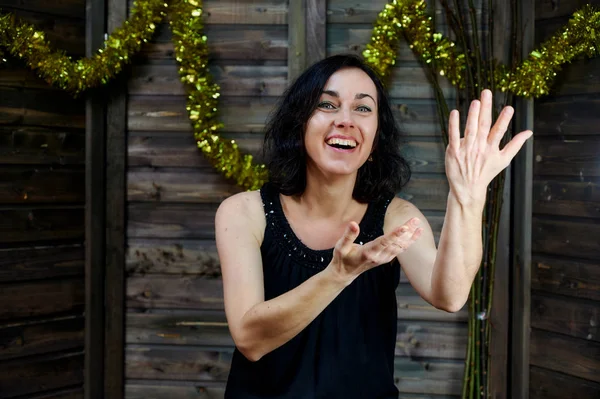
{"x": 177, "y": 363}
{"x": 177, "y": 185}
{"x": 158, "y": 220}
{"x": 564, "y": 238}
{"x": 31, "y": 338}
{"x": 567, "y": 157}
{"x": 232, "y": 42}
{"x": 203, "y": 328}
{"x": 353, "y": 39}
{"x": 424, "y": 157}
{"x": 42, "y": 373}
{"x": 244, "y": 115}
{"x": 572, "y": 356}
{"x": 16, "y": 76}
{"x": 41, "y": 146}
{"x": 183, "y": 390}
{"x": 546, "y": 9}
{"x": 40, "y": 263}
{"x": 40, "y": 224}
{"x": 26, "y": 185}
{"x": 419, "y": 339}
{"x": 168, "y": 113}
{"x": 64, "y": 8}
{"x": 566, "y": 277}
{"x": 175, "y": 292}
{"x": 412, "y": 307}
{"x": 38, "y": 108}
{"x": 546, "y": 384}
{"x": 64, "y": 33}
{"x": 201, "y": 186}
{"x": 143, "y": 389}
{"x": 189, "y": 363}
{"x": 233, "y": 80}
{"x": 159, "y": 256}
{"x": 567, "y": 116}
{"x": 353, "y": 12}
{"x": 566, "y": 198}
{"x": 40, "y": 298}
{"x": 171, "y": 220}
{"x": 575, "y": 317}
{"x": 191, "y": 292}
{"x": 415, "y": 338}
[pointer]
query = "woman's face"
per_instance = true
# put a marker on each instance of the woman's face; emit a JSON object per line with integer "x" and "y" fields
{"x": 339, "y": 134}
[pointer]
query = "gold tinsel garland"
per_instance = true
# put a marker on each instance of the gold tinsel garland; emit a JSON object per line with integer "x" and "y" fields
{"x": 191, "y": 52}
{"x": 24, "y": 41}
{"x": 399, "y": 17}
{"x": 408, "y": 18}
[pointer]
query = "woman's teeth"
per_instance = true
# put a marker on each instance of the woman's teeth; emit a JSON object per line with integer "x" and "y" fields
{"x": 337, "y": 142}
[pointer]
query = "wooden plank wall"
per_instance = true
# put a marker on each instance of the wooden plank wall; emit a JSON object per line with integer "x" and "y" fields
{"x": 565, "y": 286}
{"x": 177, "y": 342}
{"x": 42, "y": 194}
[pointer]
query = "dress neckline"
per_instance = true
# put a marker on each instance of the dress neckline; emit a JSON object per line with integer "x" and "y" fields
{"x": 288, "y": 238}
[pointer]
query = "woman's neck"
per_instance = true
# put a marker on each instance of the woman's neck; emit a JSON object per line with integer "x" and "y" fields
{"x": 328, "y": 197}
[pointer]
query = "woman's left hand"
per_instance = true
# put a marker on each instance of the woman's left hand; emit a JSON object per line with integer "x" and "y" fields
{"x": 473, "y": 161}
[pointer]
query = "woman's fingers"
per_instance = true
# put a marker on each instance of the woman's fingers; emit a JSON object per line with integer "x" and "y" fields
{"x": 454, "y": 130}
{"x": 501, "y": 126}
{"x": 397, "y": 241}
{"x": 472, "y": 123}
{"x": 344, "y": 244}
{"x": 485, "y": 117}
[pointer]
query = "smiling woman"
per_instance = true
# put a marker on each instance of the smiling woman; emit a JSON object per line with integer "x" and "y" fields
{"x": 311, "y": 261}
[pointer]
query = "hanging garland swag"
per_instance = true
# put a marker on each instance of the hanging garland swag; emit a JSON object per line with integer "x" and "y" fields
{"x": 399, "y": 17}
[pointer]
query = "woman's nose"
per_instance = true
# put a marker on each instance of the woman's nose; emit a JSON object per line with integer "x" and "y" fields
{"x": 344, "y": 119}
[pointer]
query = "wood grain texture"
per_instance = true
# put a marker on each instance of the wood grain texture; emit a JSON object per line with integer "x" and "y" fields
{"x": 55, "y": 334}
{"x": 577, "y": 158}
{"x": 63, "y": 32}
{"x": 42, "y": 373}
{"x": 546, "y": 9}
{"x": 316, "y": 33}
{"x": 37, "y": 224}
{"x": 566, "y": 277}
{"x": 40, "y": 263}
{"x": 571, "y": 316}
{"x": 41, "y": 298}
{"x": 572, "y": 356}
{"x": 547, "y": 384}
{"x": 564, "y": 117}
{"x": 179, "y": 257}
{"x": 565, "y": 238}
{"x": 567, "y": 198}
{"x": 231, "y": 42}
{"x": 25, "y": 145}
{"x": 35, "y": 185}
{"x": 233, "y": 80}
{"x": 38, "y": 108}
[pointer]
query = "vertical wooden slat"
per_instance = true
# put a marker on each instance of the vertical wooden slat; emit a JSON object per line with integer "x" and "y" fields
{"x": 522, "y": 225}
{"x": 316, "y": 33}
{"x": 499, "y": 317}
{"x": 296, "y": 38}
{"x": 94, "y": 216}
{"x": 116, "y": 123}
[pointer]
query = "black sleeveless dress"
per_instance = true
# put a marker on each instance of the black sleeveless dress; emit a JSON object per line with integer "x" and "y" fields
{"x": 348, "y": 350}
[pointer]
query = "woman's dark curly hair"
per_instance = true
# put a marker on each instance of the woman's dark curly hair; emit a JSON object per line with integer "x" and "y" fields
{"x": 284, "y": 150}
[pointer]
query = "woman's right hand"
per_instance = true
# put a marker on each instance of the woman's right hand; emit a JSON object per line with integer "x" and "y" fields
{"x": 351, "y": 259}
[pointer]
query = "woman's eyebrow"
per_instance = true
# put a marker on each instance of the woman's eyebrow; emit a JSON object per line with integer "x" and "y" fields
{"x": 359, "y": 96}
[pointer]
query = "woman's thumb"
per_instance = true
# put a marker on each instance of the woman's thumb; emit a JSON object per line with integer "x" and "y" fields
{"x": 350, "y": 234}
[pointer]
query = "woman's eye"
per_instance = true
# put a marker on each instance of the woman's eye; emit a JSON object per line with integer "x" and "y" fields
{"x": 326, "y": 105}
{"x": 364, "y": 108}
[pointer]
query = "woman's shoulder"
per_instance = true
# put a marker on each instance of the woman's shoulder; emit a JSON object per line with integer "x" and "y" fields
{"x": 242, "y": 210}
{"x": 399, "y": 211}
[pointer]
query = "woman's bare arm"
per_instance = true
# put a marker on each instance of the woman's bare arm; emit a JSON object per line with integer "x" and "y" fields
{"x": 258, "y": 326}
